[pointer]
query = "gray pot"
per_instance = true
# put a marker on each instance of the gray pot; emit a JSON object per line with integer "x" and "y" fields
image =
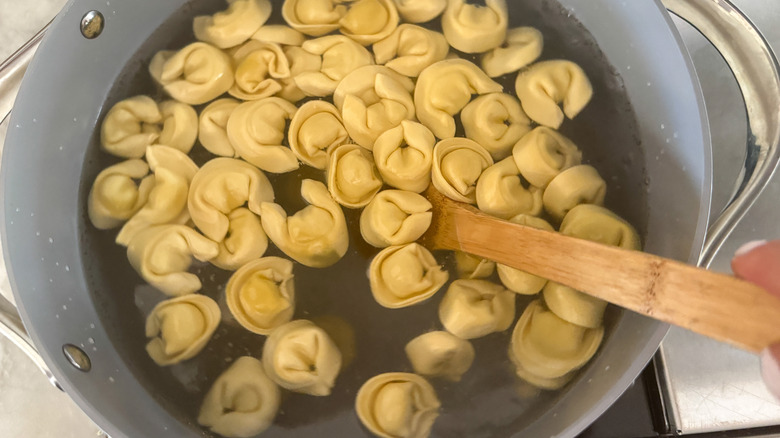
{"x": 78, "y": 297}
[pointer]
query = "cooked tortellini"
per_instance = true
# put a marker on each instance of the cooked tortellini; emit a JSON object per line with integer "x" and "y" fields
{"x": 496, "y": 122}
{"x": 545, "y": 85}
{"x": 500, "y": 192}
{"x": 313, "y": 17}
{"x": 444, "y": 88}
{"x": 474, "y": 28}
{"x": 167, "y": 201}
{"x": 115, "y": 196}
{"x": 440, "y": 354}
{"x": 180, "y": 125}
{"x": 353, "y": 179}
{"x": 394, "y": 405}
{"x": 420, "y": 11}
{"x": 260, "y": 66}
{"x": 542, "y": 154}
{"x": 195, "y": 74}
{"x": 256, "y": 130}
{"x": 180, "y": 327}
{"x": 328, "y": 60}
{"x": 212, "y": 127}
{"x": 475, "y": 308}
{"x": 523, "y": 46}
{"x": 471, "y": 266}
{"x": 517, "y": 280}
{"x": 576, "y": 185}
{"x": 130, "y": 126}
{"x": 457, "y": 164}
{"x": 233, "y": 26}
{"x": 574, "y": 306}
{"x": 261, "y": 294}
{"x": 279, "y": 34}
{"x": 301, "y": 357}
{"x": 221, "y": 186}
{"x": 244, "y": 242}
{"x": 315, "y": 130}
{"x": 162, "y": 254}
{"x": 546, "y": 349}
{"x": 404, "y": 156}
{"x": 315, "y": 236}
{"x": 300, "y": 62}
{"x": 410, "y": 49}
{"x": 368, "y": 21}
{"x": 372, "y": 100}
{"x": 242, "y": 402}
{"x": 395, "y": 217}
{"x": 401, "y": 276}
{"x": 598, "y": 224}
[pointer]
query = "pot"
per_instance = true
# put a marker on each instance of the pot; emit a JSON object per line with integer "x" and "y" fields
{"x": 82, "y": 304}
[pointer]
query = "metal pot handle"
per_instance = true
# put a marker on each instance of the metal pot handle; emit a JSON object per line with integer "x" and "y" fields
{"x": 755, "y": 67}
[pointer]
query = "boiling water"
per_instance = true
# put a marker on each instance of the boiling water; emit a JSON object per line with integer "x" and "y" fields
{"x": 488, "y": 402}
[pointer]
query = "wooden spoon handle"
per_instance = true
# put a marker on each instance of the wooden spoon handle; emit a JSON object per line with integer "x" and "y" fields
{"x": 720, "y": 306}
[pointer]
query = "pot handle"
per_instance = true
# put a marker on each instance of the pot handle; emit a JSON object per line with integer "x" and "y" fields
{"x": 755, "y": 67}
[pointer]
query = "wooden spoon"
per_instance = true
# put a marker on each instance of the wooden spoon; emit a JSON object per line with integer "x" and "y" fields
{"x": 720, "y": 306}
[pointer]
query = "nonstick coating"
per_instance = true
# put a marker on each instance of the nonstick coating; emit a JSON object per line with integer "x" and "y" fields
{"x": 76, "y": 286}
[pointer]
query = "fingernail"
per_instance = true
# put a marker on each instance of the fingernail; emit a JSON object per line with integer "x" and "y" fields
{"x": 750, "y": 246}
{"x": 770, "y": 370}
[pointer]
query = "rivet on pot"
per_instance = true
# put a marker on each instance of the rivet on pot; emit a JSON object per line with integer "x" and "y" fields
{"x": 92, "y": 24}
{"x": 77, "y": 357}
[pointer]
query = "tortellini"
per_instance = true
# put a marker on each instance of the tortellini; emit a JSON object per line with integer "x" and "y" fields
{"x": 496, "y": 122}
{"x": 404, "y": 156}
{"x": 546, "y": 84}
{"x": 180, "y": 327}
{"x": 244, "y": 242}
{"x": 595, "y": 223}
{"x": 440, "y": 354}
{"x": 546, "y": 349}
{"x": 352, "y": 176}
{"x": 500, "y": 192}
{"x": 523, "y": 46}
{"x": 395, "y": 217}
{"x": 242, "y": 402}
{"x": 301, "y": 62}
{"x": 574, "y": 306}
{"x": 368, "y": 21}
{"x": 470, "y": 266}
{"x": 212, "y": 127}
{"x": 115, "y": 196}
{"x": 233, "y": 26}
{"x": 329, "y": 59}
{"x": 301, "y": 357}
{"x": 195, "y": 74}
{"x": 542, "y": 154}
{"x": 130, "y": 126}
{"x": 410, "y": 49}
{"x": 256, "y": 131}
{"x": 279, "y": 34}
{"x": 457, "y": 164}
{"x": 315, "y": 236}
{"x": 394, "y": 405}
{"x": 260, "y": 66}
{"x": 167, "y": 201}
{"x": 373, "y": 99}
{"x": 313, "y": 17}
{"x": 162, "y": 254}
{"x": 221, "y": 186}
{"x": 474, "y": 28}
{"x": 180, "y": 125}
{"x": 420, "y": 11}
{"x": 444, "y": 88}
{"x": 576, "y": 185}
{"x": 475, "y": 308}
{"x": 315, "y": 129}
{"x": 517, "y": 280}
{"x": 401, "y": 276}
{"x": 261, "y": 294}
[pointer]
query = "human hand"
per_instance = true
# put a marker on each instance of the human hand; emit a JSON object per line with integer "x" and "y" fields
{"x": 759, "y": 263}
